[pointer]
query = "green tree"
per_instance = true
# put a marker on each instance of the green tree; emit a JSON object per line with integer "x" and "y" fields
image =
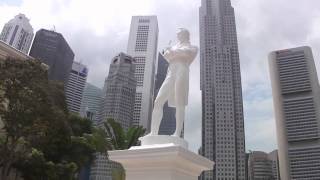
{"x": 120, "y": 138}
{"x": 22, "y": 95}
{"x": 39, "y": 137}
{"x": 62, "y": 159}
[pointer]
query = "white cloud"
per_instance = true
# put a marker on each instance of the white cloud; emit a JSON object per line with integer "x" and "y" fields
{"x": 261, "y": 135}
{"x": 259, "y": 120}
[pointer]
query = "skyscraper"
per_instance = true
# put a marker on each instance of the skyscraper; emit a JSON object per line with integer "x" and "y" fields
{"x": 75, "y": 86}
{"x": 168, "y": 123}
{"x": 18, "y": 33}
{"x": 90, "y": 103}
{"x": 296, "y": 99}
{"x": 142, "y": 45}
{"x": 52, "y": 49}
{"x": 223, "y": 138}
{"x": 119, "y": 91}
{"x": 262, "y": 165}
{"x": 118, "y": 103}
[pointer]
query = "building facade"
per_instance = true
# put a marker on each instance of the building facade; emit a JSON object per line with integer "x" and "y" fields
{"x": 142, "y": 45}
{"x": 18, "y": 33}
{"x": 223, "y": 139}
{"x": 52, "y": 49}
{"x": 296, "y": 98}
{"x": 168, "y": 123}
{"x": 117, "y": 103}
{"x": 274, "y": 157}
{"x": 102, "y": 168}
{"x": 263, "y": 166}
{"x": 75, "y": 86}
{"x": 90, "y": 103}
{"x": 119, "y": 91}
{"x": 7, "y": 51}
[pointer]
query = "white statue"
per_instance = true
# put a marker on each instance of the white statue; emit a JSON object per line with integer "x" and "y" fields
{"x": 175, "y": 88}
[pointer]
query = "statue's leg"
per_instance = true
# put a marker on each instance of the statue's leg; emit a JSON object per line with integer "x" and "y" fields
{"x": 180, "y": 113}
{"x": 161, "y": 99}
{"x": 157, "y": 114}
{"x": 181, "y": 91}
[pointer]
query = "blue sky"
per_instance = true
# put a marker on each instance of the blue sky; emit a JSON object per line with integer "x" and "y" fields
{"x": 97, "y": 30}
{"x": 11, "y": 2}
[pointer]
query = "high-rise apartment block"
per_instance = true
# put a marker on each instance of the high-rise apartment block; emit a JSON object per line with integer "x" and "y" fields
{"x": 18, "y": 33}
{"x": 75, "y": 86}
{"x": 90, "y": 103}
{"x": 262, "y": 165}
{"x": 168, "y": 123}
{"x": 223, "y": 139}
{"x": 296, "y": 98}
{"x": 52, "y": 49}
{"x": 142, "y": 46}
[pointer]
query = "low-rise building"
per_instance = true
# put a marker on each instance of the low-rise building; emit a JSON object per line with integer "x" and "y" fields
{"x": 7, "y": 51}
{"x": 263, "y": 166}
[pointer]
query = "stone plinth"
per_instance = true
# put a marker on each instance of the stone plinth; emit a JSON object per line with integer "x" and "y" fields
{"x": 162, "y": 139}
{"x": 161, "y": 162}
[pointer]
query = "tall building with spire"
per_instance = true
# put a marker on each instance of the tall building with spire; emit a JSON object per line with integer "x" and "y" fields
{"x": 18, "y": 33}
{"x": 142, "y": 46}
{"x": 223, "y": 139}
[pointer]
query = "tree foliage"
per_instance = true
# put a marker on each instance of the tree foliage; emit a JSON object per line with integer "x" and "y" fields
{"x": 39, "y": 138}
{"x": 22, "y": 98}
{"x": 120, "y": 138}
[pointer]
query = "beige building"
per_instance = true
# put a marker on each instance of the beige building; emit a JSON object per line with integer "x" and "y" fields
{"x": 273, "y": 156}
{"x": 18, "y": 33}
{"x": 296, "y": 98}
{"x": 7, "y": 51}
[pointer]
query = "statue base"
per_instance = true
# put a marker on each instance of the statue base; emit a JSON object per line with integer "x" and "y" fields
{"x": 161, "y": 162}
{"x": 162, "y": 139}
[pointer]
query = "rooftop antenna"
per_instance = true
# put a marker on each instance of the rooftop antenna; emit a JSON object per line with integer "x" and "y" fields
{"x": 54, "y": 28}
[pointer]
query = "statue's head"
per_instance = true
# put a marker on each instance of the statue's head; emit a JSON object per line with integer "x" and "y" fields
{"x": 183, "y": 35}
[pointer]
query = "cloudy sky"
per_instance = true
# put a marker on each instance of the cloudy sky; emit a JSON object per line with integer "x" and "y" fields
{"x": 98, "y": 29}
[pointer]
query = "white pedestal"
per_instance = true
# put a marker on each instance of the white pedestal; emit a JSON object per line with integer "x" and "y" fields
{"x": 161, "y": 162}
{"x": 162, "y": 139}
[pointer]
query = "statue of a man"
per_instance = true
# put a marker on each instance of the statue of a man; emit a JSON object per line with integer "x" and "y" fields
{"x": 175, "y": 88}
